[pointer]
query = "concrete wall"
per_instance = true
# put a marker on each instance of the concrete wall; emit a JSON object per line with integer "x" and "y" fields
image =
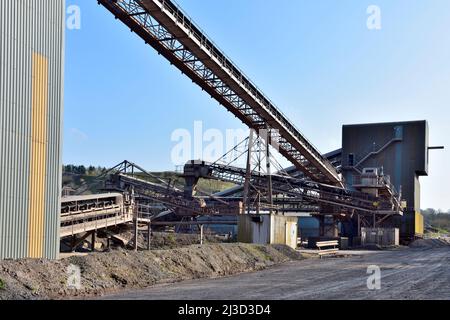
{"x": 404, "y": 160}
{"x": 284, "y": 230}
{"x": 381, "y": 236}
{"x": 254, "y": 229}
{"x": 31, "y": 99}
{"x": 268, "y": 229}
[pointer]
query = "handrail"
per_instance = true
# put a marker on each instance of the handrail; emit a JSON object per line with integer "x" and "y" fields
{"x": 375, "y": 152}
{"x": 173, "y": 8}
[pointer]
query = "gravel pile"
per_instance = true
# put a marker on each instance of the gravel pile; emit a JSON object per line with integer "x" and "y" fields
{"x": 118, "y": 270}
{"x": 430, "y": 243}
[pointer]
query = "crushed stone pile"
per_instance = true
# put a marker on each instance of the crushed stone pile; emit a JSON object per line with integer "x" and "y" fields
{"x": 431, "y": 243}
{"x": 111, "y": 272}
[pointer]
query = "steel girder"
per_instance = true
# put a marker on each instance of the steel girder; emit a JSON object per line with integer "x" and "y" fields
{"x": 129, "y": 178}
{"x": 163, "y": 25}
{"x": 308, "y": 192}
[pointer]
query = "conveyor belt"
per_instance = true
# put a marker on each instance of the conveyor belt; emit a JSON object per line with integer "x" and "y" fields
{"x": 164, "y": 26}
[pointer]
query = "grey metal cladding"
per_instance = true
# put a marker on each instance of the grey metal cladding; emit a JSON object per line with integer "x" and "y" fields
{"x": 28, "y": 26}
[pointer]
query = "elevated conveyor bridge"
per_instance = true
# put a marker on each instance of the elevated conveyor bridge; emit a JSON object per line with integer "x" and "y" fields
{"x": 294, "y": 191}
{"x": 164, "y": 26}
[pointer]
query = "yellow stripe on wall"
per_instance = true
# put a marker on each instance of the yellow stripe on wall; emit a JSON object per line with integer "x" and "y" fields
{"x": 38, "y": 156}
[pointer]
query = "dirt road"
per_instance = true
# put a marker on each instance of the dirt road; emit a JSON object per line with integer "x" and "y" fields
{"x": 405, "y": 274}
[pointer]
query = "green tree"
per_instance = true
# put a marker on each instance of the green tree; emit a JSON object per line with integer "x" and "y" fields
{"x": 92, "y": 171}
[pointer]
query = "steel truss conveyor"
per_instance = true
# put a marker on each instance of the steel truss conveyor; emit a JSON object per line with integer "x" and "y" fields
{"x": 164, "y": 26}
{"x": 309, "y": 192}
{"x": 130, "y": 179}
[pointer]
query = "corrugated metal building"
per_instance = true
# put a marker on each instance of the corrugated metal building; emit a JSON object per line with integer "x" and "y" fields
{"x": 31, "y": 99}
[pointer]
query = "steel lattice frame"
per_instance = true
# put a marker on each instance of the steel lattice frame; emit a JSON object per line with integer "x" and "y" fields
{"x": 229, "y": 86}
{"x": 129, "y": 178}
{"x": 299, "y": 189}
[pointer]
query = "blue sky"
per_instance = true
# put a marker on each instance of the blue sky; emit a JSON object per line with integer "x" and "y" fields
{"x": 315, "y": 59}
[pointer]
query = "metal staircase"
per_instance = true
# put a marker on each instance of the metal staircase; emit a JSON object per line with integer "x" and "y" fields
{"x": 360, "y": 161}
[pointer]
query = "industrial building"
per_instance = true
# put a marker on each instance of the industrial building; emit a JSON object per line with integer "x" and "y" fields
{"x": 397, "y": 152}
{"x": 371, "y": 182}
{"x": 31, "y": 93}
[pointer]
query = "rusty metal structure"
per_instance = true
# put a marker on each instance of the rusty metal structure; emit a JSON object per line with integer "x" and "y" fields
{"x": 82, "y": 216}
{"x": 165, "y": 27}
{"x": 314, "y": 184}
{"x": 338, "y": 187}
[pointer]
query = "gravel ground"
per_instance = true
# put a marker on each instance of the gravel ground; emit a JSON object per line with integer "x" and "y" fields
{"x": 421, "y": 272}
{"x": 119, "y": 270}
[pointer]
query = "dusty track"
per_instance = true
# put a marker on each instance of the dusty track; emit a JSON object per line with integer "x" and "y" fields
{"x": 419, "y": 273}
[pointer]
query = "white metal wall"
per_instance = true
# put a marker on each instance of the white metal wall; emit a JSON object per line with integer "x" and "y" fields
{"x": 29, "y": 28}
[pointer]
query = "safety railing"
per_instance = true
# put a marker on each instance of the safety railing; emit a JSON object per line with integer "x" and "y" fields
{"x": 182, "y": 17}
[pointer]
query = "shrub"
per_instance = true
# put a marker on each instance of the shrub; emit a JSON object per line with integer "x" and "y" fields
{"x": 2, "y": 284}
